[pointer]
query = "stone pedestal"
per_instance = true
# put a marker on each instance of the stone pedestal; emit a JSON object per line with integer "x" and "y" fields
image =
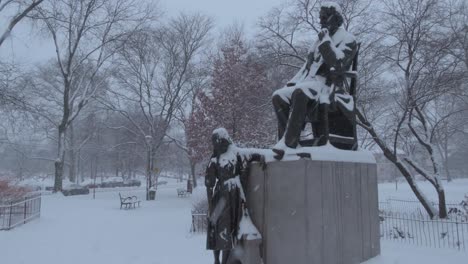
{"x": 315, "y": 212}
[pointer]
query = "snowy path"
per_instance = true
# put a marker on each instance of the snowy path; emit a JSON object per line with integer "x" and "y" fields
{"x": 85, "y": 231}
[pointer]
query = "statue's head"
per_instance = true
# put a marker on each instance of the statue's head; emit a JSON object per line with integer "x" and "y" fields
{"x": 330, "y": 16}
{"x": 221, "y": 141}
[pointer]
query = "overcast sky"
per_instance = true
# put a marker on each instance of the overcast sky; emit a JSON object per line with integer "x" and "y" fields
{"x": 28, "y": 48}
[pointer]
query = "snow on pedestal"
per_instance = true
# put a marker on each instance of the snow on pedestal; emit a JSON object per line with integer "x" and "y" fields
{"x": 315, "y": 210}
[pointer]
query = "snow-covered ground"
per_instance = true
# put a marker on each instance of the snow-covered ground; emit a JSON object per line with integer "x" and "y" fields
{"x": 394, "y": 253}
{"x": 81, "y": 230}
{"x": 454, "y": 190}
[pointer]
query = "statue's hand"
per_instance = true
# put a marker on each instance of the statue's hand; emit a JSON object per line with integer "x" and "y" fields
{"x": 290, "y": 84}
{"x": 323, "y": 33}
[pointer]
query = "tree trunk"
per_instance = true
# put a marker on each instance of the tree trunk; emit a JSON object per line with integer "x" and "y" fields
{"x": 431, "y": 211}
{"x": 148, "y": 173}
{"x": 447, "y": 172}
{"x": 152, "y": 167}
{"x": 58, "y": 176}
{"x": 60, "y": 160}
{"x": 192, "y": 171}
{"x": 442, "y": 205}
{"x": 446, "y": 165}
{"x": 409, "y": 178}
{"x": 96, "y": 162}
{"x": 62, "y": 128}
{"x": 72, "y": 154}
{"x": 72, "y": 167}
{"x": 91, "y": 168}
{"x": 117, "y": 165}
{"x": 79, "y": 168}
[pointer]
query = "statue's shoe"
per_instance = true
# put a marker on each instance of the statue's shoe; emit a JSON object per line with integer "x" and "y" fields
{"x": 279, "y": 149}
{"x": 279, "y": 154}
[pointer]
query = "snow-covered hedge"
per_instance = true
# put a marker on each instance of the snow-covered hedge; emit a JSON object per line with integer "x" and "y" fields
{"x": 9, "y": 192}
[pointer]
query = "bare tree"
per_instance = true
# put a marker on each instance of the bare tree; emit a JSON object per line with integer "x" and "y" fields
{"x": 21, "y": 146}
{"x": 82, "y": 32}
{"x": 425, "y": 70}
{"x": 80, "y": 134}
{"x": 153, "y": 76}
{"x": 22, "y": 9}
{"x": 454, "y": 105}
{"x": 10, "y": 78}
{"x": 197, "y": 84}
{"x": 283, "y": 37}
{"x": 457, "y": 24}
{"x": 13, "y": 11}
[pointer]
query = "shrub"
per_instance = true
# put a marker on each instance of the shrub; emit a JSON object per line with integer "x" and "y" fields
{"x": 10, "y": 192}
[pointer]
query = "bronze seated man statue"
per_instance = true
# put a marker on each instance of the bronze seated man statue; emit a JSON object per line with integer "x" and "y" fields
{"x": 320, "y": 92}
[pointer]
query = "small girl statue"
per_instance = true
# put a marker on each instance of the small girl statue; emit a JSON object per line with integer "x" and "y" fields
{"x": 225, "y": 177}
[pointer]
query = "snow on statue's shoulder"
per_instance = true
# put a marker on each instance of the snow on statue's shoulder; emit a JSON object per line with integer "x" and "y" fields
{"x": 343, "y": 37}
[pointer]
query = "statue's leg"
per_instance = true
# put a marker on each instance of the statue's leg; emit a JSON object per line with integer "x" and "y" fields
{"x": 320, "y": 126}
{"x": 216, "y": 254}
{"x": 226, "y": 254}
{"x": 325, "y": 125}
{"x": 297, "y": 118}
{"x": 282, "y": 108}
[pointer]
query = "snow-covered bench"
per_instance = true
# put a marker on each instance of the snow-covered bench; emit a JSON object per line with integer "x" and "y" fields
{"x": 129, "y": 201}
{"x": 182, "y": 192}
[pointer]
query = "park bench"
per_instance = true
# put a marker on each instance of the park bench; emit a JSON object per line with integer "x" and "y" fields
{"x": 129, "y": 201}
{"x": 182, "y": 192}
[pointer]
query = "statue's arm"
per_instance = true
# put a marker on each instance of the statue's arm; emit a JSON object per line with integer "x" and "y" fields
{"x": 305, "y": 68}
{"x": 340, "y": 57}
{"x": 299, "y": 75}
{"x": 253, "y": 156}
